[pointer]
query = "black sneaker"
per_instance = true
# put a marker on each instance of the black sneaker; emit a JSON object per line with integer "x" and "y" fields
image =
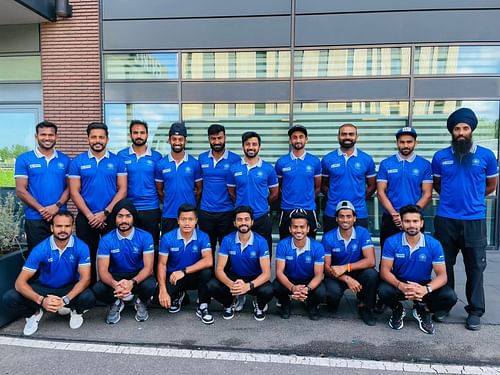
{"x": 313, "y": 312}
{"x": 396, "y": 321}
{"x": 473, "y": 323}
{"x": 258, "y": 314}
{"x": 367, "y": 316}
{"x": 228, "y": 313}
{"x": 285, "y": 310}
{"x": 379, "y": 307}
{"x": 440, "y": 316}
{"x": 204, "y": 315}
{"x": 175, "y": 307}
{"x": 423, "y": 318}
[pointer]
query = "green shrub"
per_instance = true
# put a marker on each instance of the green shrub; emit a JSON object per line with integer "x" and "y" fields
{"x": 11, "y": 215}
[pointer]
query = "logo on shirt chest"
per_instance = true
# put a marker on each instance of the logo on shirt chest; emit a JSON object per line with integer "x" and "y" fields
{"x": 114, "y": 251}
{"x": 110, "y": 166}
{"x": 188, "y": 170}
{"x": 205, "y": 166}
{"x": 149, "y": 162}
{"x": 422, "y": 258}
{"x": 287, "y": 169}
{"x": 336, "y": 250}
{"x": 238, "y": 174}
{"x": 194, "y": 249}
{"x": 260, "y": 174}
{"x": 357, "y": 165}
{"x": 476, "y": 162}
{"x": 232, "y": 252}
{"x": 335, "y": 165}
{"x": 354, "y": 247}
{"x": 136, "y": 250}
{"x": 174, "y": 249}
{"x": 415, "y": 172}
{"x": 253, "y": 254}
{"x": 400, "y": 255}
{"x": 309, "y": 169}
{"x": 227, "y": 165}
{"x": 128, "y": 162}
{"x": 166, "y": 170}
{"x": 36, "y": 165}
{"x": 60, "y": 165}
{"x": 72, "y": 258}
{"x": 86, "y": 166}
{"x": 308, "y": 259}
{"x": 289, "y": 257}
{"x": 447, "y": 162}
{"x": 394, "y": 170}
{"x": 50, "y": 260}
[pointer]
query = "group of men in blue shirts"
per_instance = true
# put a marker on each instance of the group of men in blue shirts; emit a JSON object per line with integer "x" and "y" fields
{"x": 122, "y": 234}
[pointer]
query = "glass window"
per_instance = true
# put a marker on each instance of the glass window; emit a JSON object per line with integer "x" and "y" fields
{"x": 445, "y": 60}
{"x": 20, "y": 68}
{"x": 429, "y": 117}
{"x": 236, "y": 65}
{"x": 158, "y": 116}
{"x": 270, "y": 120}
{"x": 141, "y": 66}
{"x": 16, "y": 137}
{"x": 352, "y": 62}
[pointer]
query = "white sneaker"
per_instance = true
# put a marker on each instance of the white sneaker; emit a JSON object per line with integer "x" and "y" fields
{"x": 31, "y": 325}
{"x": 64, "y": 311}
{"x": 239, "y": 303}
{"x": 75, "y": 320}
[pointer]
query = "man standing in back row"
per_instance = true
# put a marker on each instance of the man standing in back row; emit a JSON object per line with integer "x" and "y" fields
{"x": 464, "y": 174}
{"x": 216, "y": 207}
{"x": 348, "y": 174}
{"x": 299, "y": 175}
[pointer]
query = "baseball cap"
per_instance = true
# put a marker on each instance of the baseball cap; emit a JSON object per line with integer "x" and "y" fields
{"x": 299, "y": 128}
{"x": 345, "y": 205}
{"x": 406, "y": 130}
{"x": 177, "y": 128}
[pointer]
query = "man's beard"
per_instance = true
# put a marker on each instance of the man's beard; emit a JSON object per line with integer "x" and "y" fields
{"x": 218, "y": 148}
{"x": 461, "y": 146}
{"x": 347, "y": 144}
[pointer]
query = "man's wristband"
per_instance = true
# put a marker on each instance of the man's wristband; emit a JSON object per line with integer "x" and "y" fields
{"x": 252, "y": 287}
{"x": 41, "y": 301}
{"x": 59, "y": 204}
{"x": 348, "y": 267}
{"x": 184, "y": 271}
{"x": 134, "y": 282}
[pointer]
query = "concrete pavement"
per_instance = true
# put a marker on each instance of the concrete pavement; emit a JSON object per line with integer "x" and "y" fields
{"x": 342, "y": 335}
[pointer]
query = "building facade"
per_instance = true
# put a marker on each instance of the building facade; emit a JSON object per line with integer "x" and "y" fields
{"x": 260, "y": 65}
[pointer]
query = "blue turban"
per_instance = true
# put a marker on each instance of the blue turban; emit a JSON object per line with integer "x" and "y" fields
{"x": 465, "y": 115}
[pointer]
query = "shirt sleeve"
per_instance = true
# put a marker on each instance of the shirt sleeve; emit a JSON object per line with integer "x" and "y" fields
{"x": 33, "y": 262}
{"x": 272, "y": 179}
{"x": 324, "y": 167}
{"x": 371, "y": 171}
{"x": 278, "y": 168}
{"x": 83, "y": 253}
{"x": 74, "y": 169}
{"x": 230, "y": 180}
{"x": 382, "y": 172}
{"x": 164, "y": 246}
{"x": 436, "y": 166}
{"x": 147, "y": 244}
{"x": 263, "y": 248}
{"x": 197, "y": 171}
{"x": 103, "y": 250}
{"x": 427, "y": 178}
{"x": 327, "y": 248}
{"x": 224, "y": 246}
{"x": 158, "y": 174}
{"x": 319, "y": 254}
{"x": 205, "y": 243}
{"x": 281, "y": 251}
{"x": 20, "y": 169}
{"x": 366, "y": 240}
{"x": 388, "y": 251}
{"x": 317, "y": 168}
{"x": 437, "y": 253}
{"x": 491, "y": 166}
{"x": 121, "y": 167}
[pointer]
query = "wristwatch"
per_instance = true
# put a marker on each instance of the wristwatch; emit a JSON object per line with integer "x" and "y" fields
{"x": 58, "y": 204}
{"x": 106, "y": 212}
{"x": 184, "y": 271}
{"x": 252, "y": 287}
{"x": 429, "y": 289}
{"x": 66, "y": 300}
{"x": 134, "y": 283}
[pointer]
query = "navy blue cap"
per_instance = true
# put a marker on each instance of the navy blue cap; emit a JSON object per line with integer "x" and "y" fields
{"x": 297, "y": 128}
{"x": 406, "y": 130}
{"x": 177, "y": 128}
{"x": 462, "y": 115}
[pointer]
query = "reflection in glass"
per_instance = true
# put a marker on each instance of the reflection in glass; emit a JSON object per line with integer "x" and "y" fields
{"x": 16, "y": 137}
{"x": 457, "y": 60}
{"x": 270, "y": 120}
{"x": 158, "y": 116}
{"x": 20, "y": 68}
{"x": 352, "y": 62}
{"x": 236, "y": 65}
{"x": 143, "y": 66}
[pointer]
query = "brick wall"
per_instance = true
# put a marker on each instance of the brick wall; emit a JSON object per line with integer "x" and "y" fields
{"x": 71, "y": 74}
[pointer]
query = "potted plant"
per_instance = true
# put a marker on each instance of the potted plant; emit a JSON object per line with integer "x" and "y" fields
{"x": 11, "y": 252}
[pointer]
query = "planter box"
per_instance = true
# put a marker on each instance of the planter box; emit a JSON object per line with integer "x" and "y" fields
{"x": 10, "y": 266}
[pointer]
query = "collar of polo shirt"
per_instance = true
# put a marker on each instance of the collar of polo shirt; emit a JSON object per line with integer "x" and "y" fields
{"x": 306, "y": 247}
{"x": 129, "y": 237}
{"x": 411, "y": 159}
{"x": 471, "y": 151}
{"x": 53, "y": 245}
{"x": 185, "y": 158}
{"x": 194, "y": 237}
{"x": 225, "y": 155}
{"x": 148, "y": 152}
{"x": 91, "y": 155}
{"x": 249, "y": 242}
{"x": 302, "y": 157}
{"x": 39, "y": 155}
{"x": 346, "y": 242}
{"x": 420, "y": 243}
{"x": 258, "y": 164}
{"x": 354, "y": 153}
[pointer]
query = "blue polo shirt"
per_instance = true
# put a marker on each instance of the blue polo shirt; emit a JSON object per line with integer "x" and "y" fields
{"x": 404, "y": 178}
{"x": 244, "y": 261}
{"x": 346, "y": 251}
{"x": 299, "y": 263}
{"x": 46, "y": 178}
{"x": 215, "y": 197}
{"x": 178, "y": 182}
{"x": 297, "y": 184}
{"x": 126, "y": 253}
{"x": 141, "y": 187}
{"x": 58, "y": 268}
{"x": 97, "y": 178}
{"x": 252, "y": 185}
{"x": 347, "y": 179}
{"x": 182, "y": 253}
{"x": 413, "y": 264}
{"x": 463, "y": 182}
